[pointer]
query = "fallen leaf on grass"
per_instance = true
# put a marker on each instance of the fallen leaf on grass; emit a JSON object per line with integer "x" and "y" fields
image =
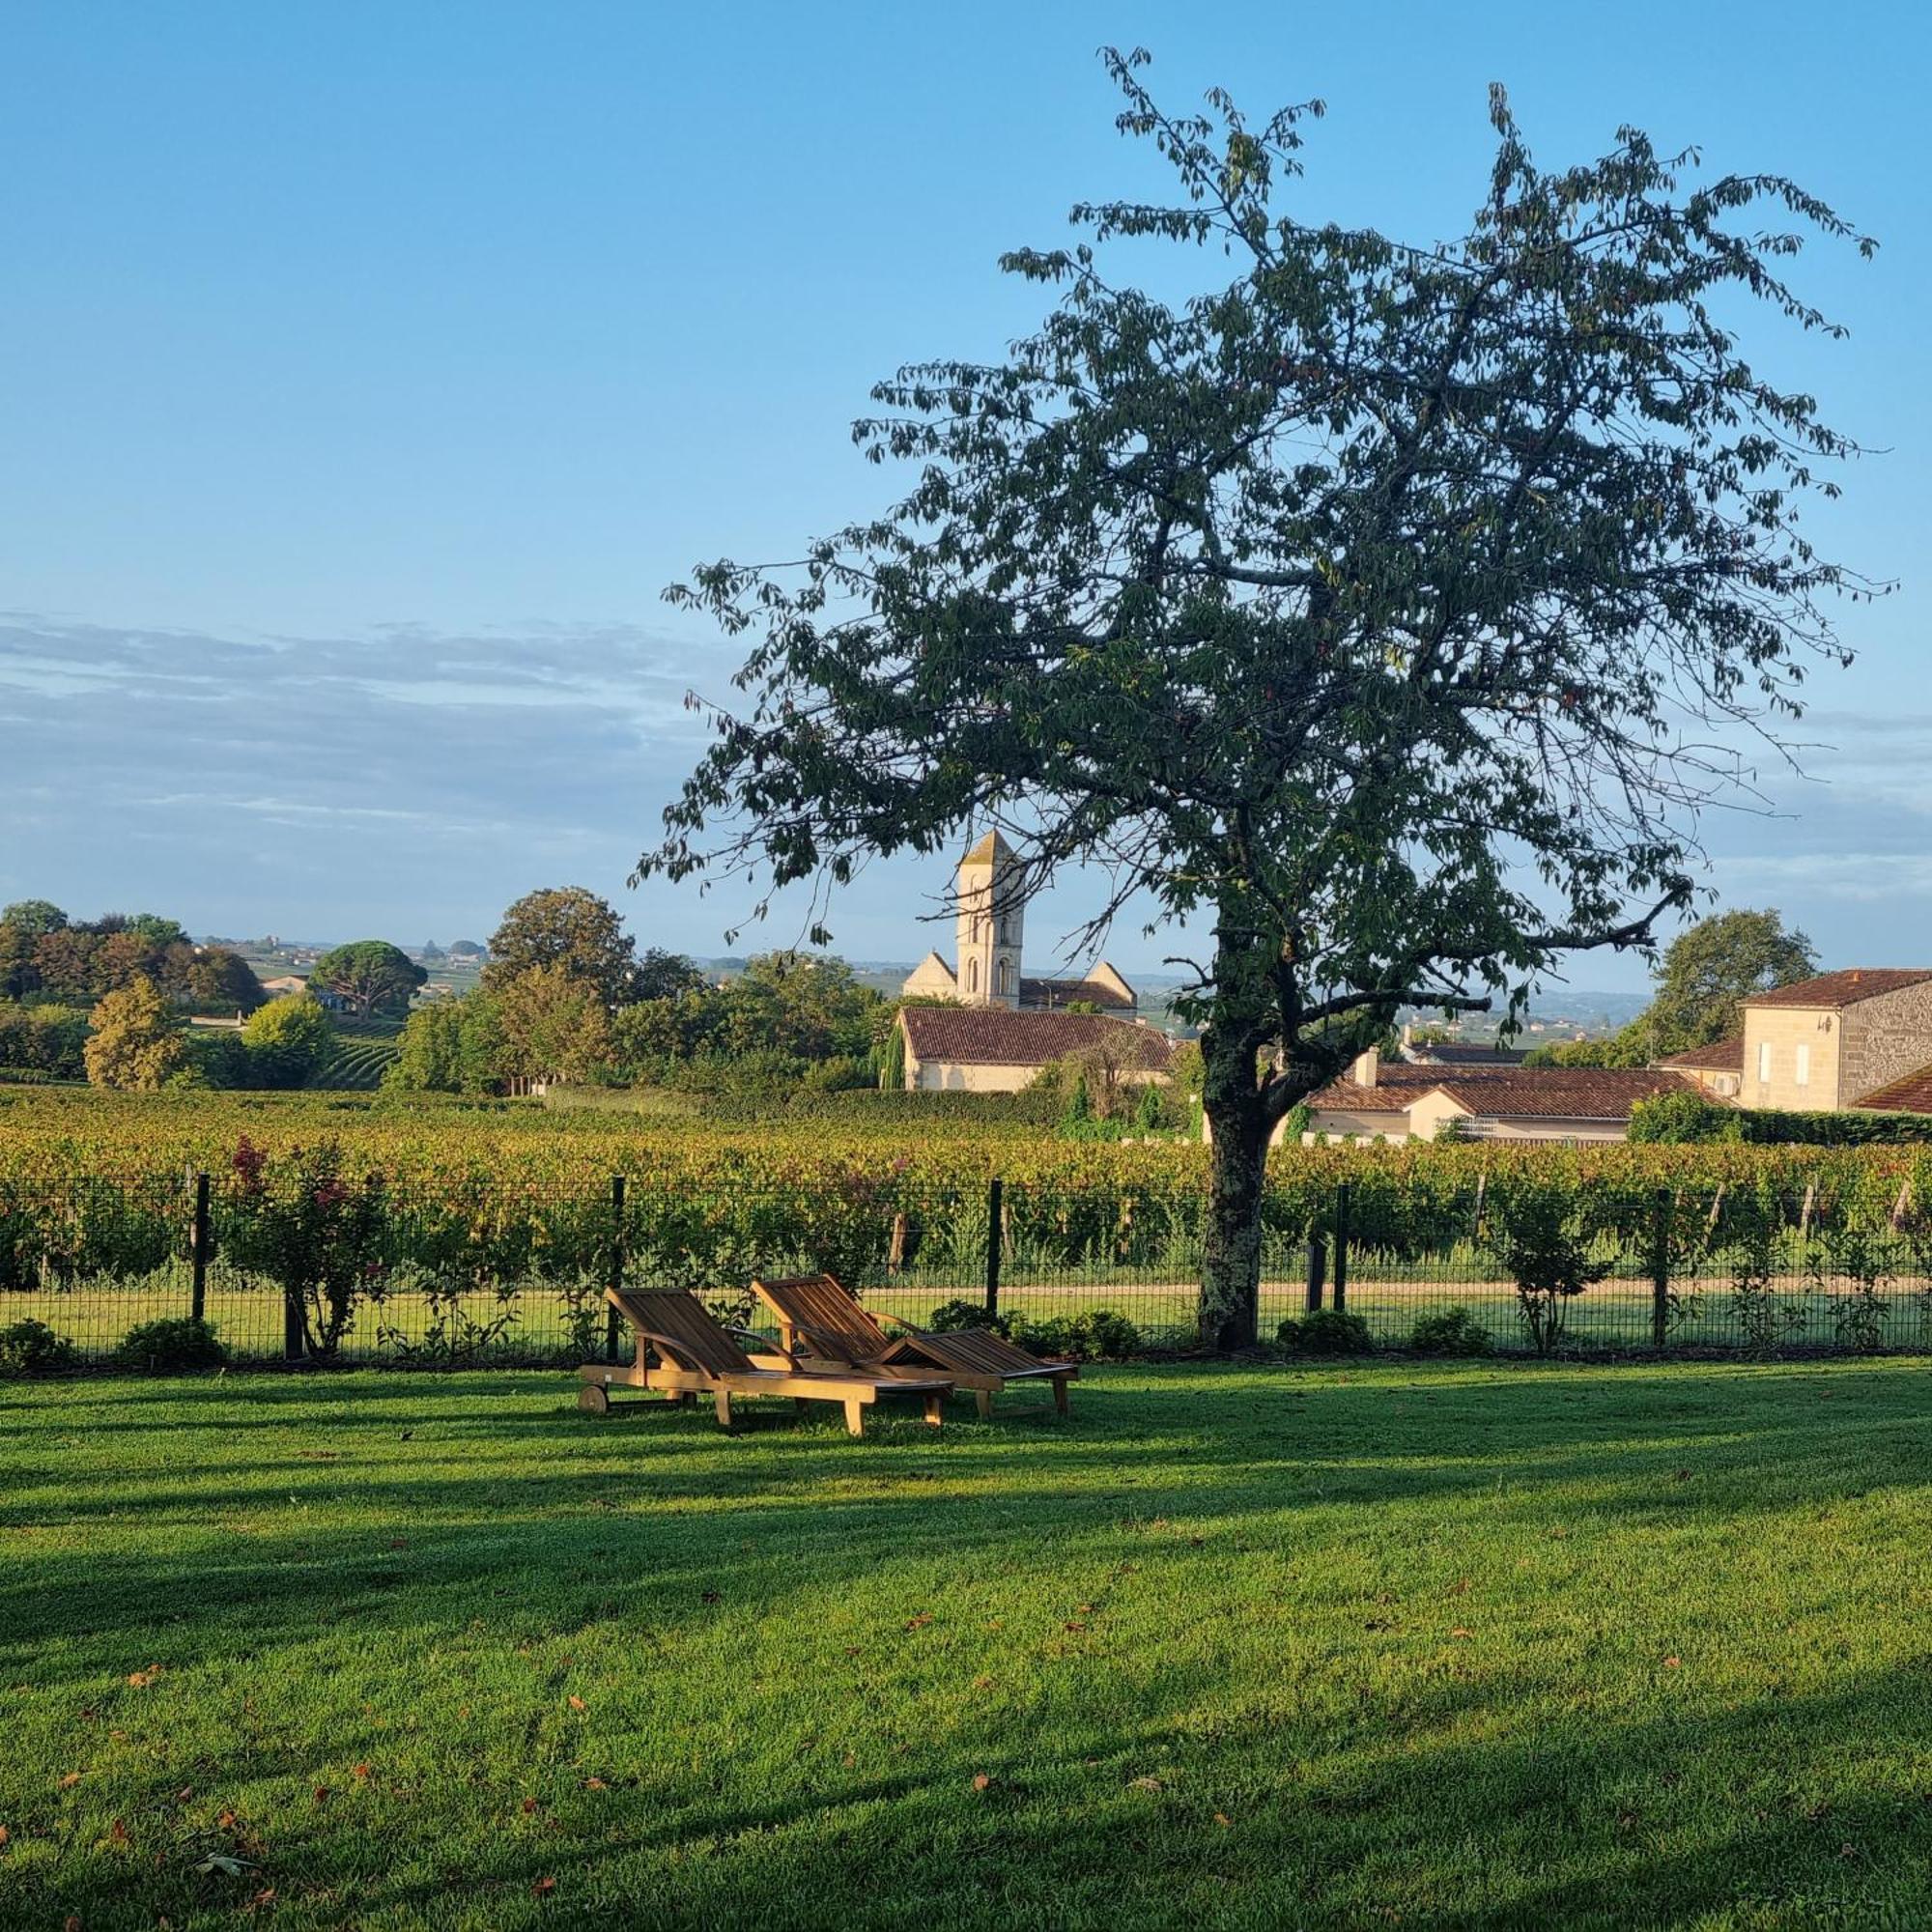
{"x": 118, "y": 1831}
{"x": 530, "y": 1806}
{"x": 266, "y": 1896}
{"x": 3, "y": 1834}
{"x": 1073, "y": 1626}
{"x": 71, "y": 1923}
{"x": 1222, "y": 1819}
{"x": 220, "y": 1862}
{"x": 1144, "y": 1784}
{"x": 69, "y": 1780}
{"x": 321, "y": 1794}
{"x": 1673, "y": 1663}
{"x": 919, "y": 1622}
{"x": 226, "y": 1821}
{"x": 543, "y": 1888}
{"x": 359, "y": 1770}
{"x": 595, "y": 1784}
{"x": 1461, "y": 1631}
{"x": 577, "y": 1704}
{"x": 982, "y": 1782}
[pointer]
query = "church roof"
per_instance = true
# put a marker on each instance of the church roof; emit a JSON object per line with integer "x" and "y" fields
{"x": 1063, "y": 992}
{"x": 999, "y": 1037}
{"x": 991, "y": 850}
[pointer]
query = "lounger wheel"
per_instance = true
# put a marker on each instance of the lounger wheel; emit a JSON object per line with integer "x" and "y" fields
{"x": 594, "y": 1399}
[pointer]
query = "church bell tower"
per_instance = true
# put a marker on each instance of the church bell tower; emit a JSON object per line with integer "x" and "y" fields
{"x": 989, "y": 921}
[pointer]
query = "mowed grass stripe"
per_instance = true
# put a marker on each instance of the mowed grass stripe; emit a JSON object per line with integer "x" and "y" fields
{"x": 1457, "y": 1646}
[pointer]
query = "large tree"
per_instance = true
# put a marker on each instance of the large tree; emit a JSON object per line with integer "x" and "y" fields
{"x": 1377, "y": 609}
{"x": 373, "y": 976}
{"x": 570, "y": 927}
{"x": 135, "y": 1042}
{"x": 1703, "y": 979}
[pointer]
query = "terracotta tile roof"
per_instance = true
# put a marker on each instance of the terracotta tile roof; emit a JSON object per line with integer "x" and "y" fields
{"x": 1911, "y": 1095}
{"x": 1722, "y": 1055}
{"x": 998, "y": 1036}
{"x": 1527, "y": 1092}
{"x": 1399, "y": 1083}
{"x": 1562, "y": 1093}
{"x": 1842, "y": 990}
{"x": 1060, "y": 992}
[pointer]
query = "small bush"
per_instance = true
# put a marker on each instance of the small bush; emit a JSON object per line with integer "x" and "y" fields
{"x": 1098, "y": 1335}
{"x": 33, "y": 1349}
{"x": 173, "y": 1342}
{"x": 1453, "y": 1332}
{"x": 1325, "y": 1331}
{"x": 951, "y": 1316}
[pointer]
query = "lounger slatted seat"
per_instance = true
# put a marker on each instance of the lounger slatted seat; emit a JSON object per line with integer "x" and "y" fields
{"x": 820, "y": 1320}
{"x": 683, "y": 1353}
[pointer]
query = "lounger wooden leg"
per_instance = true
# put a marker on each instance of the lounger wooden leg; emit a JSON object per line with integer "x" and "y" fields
{"x": 855, "y": 1417}
{"x": 983, "y": 1400}
{"x": 798, "y": 1403}
{"x": 935, "y": 1409}
{"x": 724, "y": 1402}
{"x": 1059, "y": 1393}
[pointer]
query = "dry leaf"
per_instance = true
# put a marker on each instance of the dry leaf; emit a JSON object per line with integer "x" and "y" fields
{"x": 980, "y": 1780}
{"x": 530, "y": 1806}
{"x": 266, "y": 1896}
{"x": 1144, "y": 1784}
{"x": 226, "y": 1821}
{"x": 543, "y": 1888}
{"x": 1222, "y": 1819}
{"x": 69, "y": 1780}
{"x": 1073, "y": 1626}
{"x": 577, "y": 1704}
{"x": 321, "y": 1794}
{"x": 359, "y": 1770}
{"x": 1673, "y": 1663}
{"x": 1458, "y": 1631}
{"x": 71, "y": 1923}
{"x": 595, "y": 1784}
{"x": 118, "y": 1831}
{"x": 919, "y": 1622}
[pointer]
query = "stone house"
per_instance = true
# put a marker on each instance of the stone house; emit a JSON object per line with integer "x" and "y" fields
{"x": 960, "y": 1049}
{"x": 1406, "y": 1100}
{"x": 1861, "y": 1038}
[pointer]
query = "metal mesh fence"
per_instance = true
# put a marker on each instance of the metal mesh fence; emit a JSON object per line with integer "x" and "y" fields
{"x": 469, "y": 1270}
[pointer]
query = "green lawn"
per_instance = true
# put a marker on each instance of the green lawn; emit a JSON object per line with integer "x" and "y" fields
{"x": 1441, "y": 1647}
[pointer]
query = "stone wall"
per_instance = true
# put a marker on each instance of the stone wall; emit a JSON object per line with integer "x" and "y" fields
{"x": 1884, "y": 1040}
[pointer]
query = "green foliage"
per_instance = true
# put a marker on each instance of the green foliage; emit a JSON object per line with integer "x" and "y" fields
{"x": 553, "y": 1025}
{"x": 45, "y": 1039}
{"x": 449, "y": 1046}
{"x": 287, "y": 1042}
{"x": 1680, "y": 1119}
{"x": 33, "y": 1349}
{"x": 1093, "y": 1335}
{"x": 172, "y": 1345}
{"x": 951, "y": 1316}
{"x": 1537, "y": 1238}
{"x": 1708, "y": 971}
{"x": 1325, "y": 1331}
{"x": 135, "y": 1044}
{"x": 572, "y": 932}
{"x": 33, "y": 917}
{"x": 1454, "y": 1331}
{"x": 373, "y": 976}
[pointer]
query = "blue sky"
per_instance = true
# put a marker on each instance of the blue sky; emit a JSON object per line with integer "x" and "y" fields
{"x": 367, "y": 370}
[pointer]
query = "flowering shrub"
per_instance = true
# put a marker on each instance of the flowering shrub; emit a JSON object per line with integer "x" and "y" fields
{"x": 323, "y": 1236}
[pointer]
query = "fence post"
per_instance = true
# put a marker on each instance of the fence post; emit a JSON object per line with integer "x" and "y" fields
{"x": 1317, "y": 1270}
{"x": 616, "y": 1264}
{"x": 1340, "y": 1299}
{"x": 197, "y": 1247}
{"x": 1660, "y": 1269}
{"x": 291, "y": 1326}
{"x": 995, "y": 1218}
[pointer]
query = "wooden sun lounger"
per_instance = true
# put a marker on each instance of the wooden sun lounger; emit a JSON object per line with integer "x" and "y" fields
{"x": 821, "y": 1320}
{"x": 684, "y": 1353}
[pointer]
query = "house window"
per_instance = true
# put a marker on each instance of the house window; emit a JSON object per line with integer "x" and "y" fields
{"x": 972, "y": 976}
{"x": 1002, "y": 978}
{"x": 1764, "y": 1060}
{"x": 1800, "y": 1073}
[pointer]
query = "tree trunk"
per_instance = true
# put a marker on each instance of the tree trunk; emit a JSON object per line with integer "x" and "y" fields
{"x": 1231, "y": 1272}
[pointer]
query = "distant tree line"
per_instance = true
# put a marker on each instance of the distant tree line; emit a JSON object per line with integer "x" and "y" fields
{"x": 47, "y": 957}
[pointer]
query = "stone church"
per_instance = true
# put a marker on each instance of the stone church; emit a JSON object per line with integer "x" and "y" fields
{"x": 996, "y": 1029}
{"x": 988, "y": 935}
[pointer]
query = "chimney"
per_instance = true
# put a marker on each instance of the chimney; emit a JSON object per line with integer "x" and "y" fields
{"x": 1366, "y": 1067}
